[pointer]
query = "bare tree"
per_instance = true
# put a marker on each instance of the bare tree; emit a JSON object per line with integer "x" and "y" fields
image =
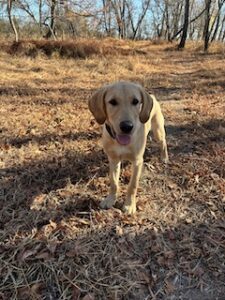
{"x": 25, "y": 6}
{"x": 192, "y": 21}
{"x": 185, "y": 27}
{"x": 158, "y": 19}
{"x": 142, "y": 14}
{"x": 167, "y": 20}
{"x": 40, "y": 15}
{"x": 175, "y": 9}
{"x": 217, "y": 20}
{"x": 51, "y": 26}
{"x": 11, "y": 20}
{"x": 221, "y": 35}
{"x": 119, "y": 8}
{"x": 107, "y": 16}
{"x": 206, "y": 33}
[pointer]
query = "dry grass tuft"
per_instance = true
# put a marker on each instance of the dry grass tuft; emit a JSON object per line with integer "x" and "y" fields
{"x": 81, "y": 48}
{"x": 66, "y": 49}
{"x": 55, "y": 242}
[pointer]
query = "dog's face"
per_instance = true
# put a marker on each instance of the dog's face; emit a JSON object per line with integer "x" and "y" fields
{"x": 123, "y": 106}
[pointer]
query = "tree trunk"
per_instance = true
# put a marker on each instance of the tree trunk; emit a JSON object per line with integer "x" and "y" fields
{"x": 162, "y": 26}
{"x": 193, "y": 20}
{"x": 141, "y": 18}
{"x": 220, "y": 4}
{"x": 40, "y": 16}
{"x": 11, "y": 20}
{"x": 185, "y": 27}
{"x": 220, "y": 36}
{"x": 106, "y": 16}
{"x": 167, "y": 32}
{"x": 119, "y": 11}
{"x": 51, "y": 31}
{"x": 206, "y": 27}
{"x": 122, "y": 8}
{"x": 177, "y": 17}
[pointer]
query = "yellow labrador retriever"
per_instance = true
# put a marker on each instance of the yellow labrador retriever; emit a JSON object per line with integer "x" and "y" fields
{"x": 128, "y": 113}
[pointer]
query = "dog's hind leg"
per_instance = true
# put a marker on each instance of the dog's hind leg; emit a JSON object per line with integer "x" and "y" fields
{"x": 159, "y": 133}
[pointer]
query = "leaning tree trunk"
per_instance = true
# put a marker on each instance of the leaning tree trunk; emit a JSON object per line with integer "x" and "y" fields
{"x": 141, "y": 18}
{"x": 222, "y": 31}
{"x": 220, "y": 5}
{"x": 11, "y": 20}
{"x": 185, "y": 27}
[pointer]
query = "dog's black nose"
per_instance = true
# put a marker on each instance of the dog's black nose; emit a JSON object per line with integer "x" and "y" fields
{"x": 126, "y": 126}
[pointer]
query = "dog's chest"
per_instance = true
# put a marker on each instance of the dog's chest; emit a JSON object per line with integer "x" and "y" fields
{"x": 120, "y": 152}
{"x": 123, "y": 151}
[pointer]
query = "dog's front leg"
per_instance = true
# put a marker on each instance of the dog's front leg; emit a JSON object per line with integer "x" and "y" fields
{"x": 114, "y": 174}
{"x": 130, "y": 203}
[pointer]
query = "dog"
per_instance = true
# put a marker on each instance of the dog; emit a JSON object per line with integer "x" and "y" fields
{"x": 127, "y": 113}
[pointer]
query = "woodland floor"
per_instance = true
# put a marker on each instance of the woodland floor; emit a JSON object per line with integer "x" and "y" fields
{"x": 55, "y": 242}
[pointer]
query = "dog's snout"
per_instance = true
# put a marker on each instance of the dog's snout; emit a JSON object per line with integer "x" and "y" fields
{"x": 126, "y": 126}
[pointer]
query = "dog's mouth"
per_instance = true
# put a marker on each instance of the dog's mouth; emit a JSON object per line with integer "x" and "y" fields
{"x": 123, "y": 139}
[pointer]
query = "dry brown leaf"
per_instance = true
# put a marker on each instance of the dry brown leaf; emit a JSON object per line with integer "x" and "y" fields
{"x": 171, "y": 235}
{"x": 24, "y": 292}
{"x": 161, "y": 261}
{"x": 83, "y": 221}
{"x": 37, "y": 287}
{"x": 169, "y": 254}
{"x": 38, "y": 201}
{"x": 170, "y": 288}
{"x": 52, "y": 245}
{"x": 73, "y": 251}
{"x": 27, "y": 253}
{"x": 30, "y": 292}
{"x": 221, "y": 129}
{"x": 44, "y": 255}
{"x": 88, "y": 297}
{"x": 145, "y": 277}
{"x": 119, "y": 230}
{"x": 75, "y": 293}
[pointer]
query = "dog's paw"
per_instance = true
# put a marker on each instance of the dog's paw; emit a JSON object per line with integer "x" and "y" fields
{"x": 164, "y": 157}
{"x": 165, "y": 160}
{"x": 129, "y": 209}
{"x": 108, "y": 202}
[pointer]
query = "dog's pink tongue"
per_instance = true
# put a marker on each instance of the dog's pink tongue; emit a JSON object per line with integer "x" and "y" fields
{"x": 123, "y": 139}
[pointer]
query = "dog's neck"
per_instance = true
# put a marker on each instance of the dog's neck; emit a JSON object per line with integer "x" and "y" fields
{"x": 110, "y": 131}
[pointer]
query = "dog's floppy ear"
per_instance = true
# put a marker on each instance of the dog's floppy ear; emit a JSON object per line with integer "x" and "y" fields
{"x": 96, "y": 105}
{"x": 147, "y": 104}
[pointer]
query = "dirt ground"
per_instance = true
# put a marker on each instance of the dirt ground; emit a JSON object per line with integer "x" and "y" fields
{"x": 55, "y": 242}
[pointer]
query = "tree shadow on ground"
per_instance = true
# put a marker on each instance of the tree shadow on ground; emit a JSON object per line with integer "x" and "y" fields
{"x": 190, "y": 138}
{"x": 22, "y": 184}
{"x": 105, "y": 252}
{"x": 185, "y": 261}
{"x": 45, "y": 179}
{"x": 18, "y": 142}
{"x": 175, "y": 86}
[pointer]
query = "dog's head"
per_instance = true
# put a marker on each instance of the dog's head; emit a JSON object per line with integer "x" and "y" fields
{"x": 123, "y": 106}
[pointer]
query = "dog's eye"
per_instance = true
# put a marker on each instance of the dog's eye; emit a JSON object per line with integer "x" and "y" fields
{"x": 135, "y": 101}
{"x": 113, "y": 102}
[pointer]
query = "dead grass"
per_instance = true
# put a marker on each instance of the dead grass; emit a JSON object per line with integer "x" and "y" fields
{"x": 80, "y": 48}
{"x": 84, "y": 48}
{"x": 55, "y": 243}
